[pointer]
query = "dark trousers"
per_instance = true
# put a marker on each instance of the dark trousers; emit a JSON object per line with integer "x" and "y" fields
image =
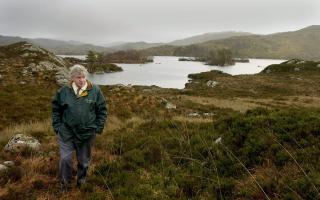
{"x": 83, "y": 154}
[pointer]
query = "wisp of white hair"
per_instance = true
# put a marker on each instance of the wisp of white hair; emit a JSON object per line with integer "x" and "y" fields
{"x": 78, "y": 70}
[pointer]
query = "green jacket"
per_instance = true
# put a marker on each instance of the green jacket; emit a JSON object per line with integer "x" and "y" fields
{"x": 81, "y": 117}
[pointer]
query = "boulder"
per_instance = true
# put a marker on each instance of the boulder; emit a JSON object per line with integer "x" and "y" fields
{"x": 8, "y": 163}
{"x": 167, "y": 104}
{"x": 194, "y": 114}
{"x": 212, "y": 83}
{"x": 170, "y": 106}
{"x": 218, "y": 140}
{"x": 62, "y": 76}
{"x": 3, "y": 168}
{"x": 19, "y": 142}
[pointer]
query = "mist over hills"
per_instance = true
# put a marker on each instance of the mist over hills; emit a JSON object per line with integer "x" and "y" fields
{"x": 303, "y": 44}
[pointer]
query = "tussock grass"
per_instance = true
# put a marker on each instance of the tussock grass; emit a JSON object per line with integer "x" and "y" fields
{"x": 38, "y": 129}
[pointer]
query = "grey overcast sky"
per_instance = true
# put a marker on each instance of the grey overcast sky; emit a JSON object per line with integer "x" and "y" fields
{"x": 106, "y": 21}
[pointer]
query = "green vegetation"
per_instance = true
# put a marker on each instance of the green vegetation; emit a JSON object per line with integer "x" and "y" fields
{"x": 95, "y": 62}
{"x": 285, "y": 79}
{"x": 244, "y": 137}
{"x": 129, "y": 56}
{"x": 167, "y": 159}
{"x": 220, "y": 57}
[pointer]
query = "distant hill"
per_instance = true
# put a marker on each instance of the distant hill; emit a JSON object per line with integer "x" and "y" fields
{"x": 186, "y": 41}
{"x": 303, "y": 44}
{"x": 207, "y": 37}
{"x": 79, "y": 48}
{"x": 133, "y": 46}
{"x": 55, "y": 46}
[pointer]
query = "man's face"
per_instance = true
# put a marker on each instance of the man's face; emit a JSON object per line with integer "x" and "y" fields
{"x": 79, "y": 80}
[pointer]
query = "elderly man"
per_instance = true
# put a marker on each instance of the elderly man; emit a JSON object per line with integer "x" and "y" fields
{"x": 78, "y": 113}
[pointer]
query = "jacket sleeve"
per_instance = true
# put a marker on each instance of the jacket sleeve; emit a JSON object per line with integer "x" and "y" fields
{"x": 101, "y": 111}
{"x": 57, "y": 112}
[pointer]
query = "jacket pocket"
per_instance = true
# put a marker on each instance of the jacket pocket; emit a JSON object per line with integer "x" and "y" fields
{"x": 90, "y": 103}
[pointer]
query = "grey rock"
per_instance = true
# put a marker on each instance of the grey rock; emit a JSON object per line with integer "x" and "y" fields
{"x": 46, "y": 65}
{"x": 212, "y": 83}
{"x": 147, "y": 90}
{"x": 25, "y": 55}
{"x": 217, "y": 141}
{"x": 318, "y": 65}
{"x": 195, "y": 114}
{"x": 301, "y": 62}
{"x": 167, "y": 104}
{"x": 208, "y": 114}
{"x": 62, "y": 76}
{"x": 19, "y": 142}
{"x": 31, "y": 48}
{"x": 8, "y": 163}
{"x": 296, "y": 69}
{"x": 170, "y": 106}
{"x": 49, "y": 62}
{"x": 292, "y": 61}
{"x": 60, "y": 61}
{"x": 3, "y": 168}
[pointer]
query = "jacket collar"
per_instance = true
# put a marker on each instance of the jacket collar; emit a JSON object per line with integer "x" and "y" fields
{"x": 89, "y": 86}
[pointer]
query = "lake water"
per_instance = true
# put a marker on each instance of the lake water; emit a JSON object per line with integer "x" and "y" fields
{"x": 169, "y": 72}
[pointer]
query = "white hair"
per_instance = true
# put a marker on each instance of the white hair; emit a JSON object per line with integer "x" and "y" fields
{"x": 77, "y": 70}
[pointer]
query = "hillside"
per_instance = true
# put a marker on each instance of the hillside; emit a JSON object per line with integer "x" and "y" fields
{"x": 22, "y": 63}
{"x": 56, "y": 46}
{"x": 133, "y": 45}
{"x": 207, "y": 37}
{"x": 181, "y": 42}
{"x": 222, "y": 137}
{"x": 303, "y": 44}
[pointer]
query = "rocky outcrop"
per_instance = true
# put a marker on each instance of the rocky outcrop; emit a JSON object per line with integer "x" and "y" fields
{"x": 293, "y": 66}
{"x": 20, "y": 142}
{"x": 24, "y": 62}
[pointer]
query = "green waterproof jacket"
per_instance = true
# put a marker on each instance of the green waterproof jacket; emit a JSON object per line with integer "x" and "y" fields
{"x": 78, "y": 117}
